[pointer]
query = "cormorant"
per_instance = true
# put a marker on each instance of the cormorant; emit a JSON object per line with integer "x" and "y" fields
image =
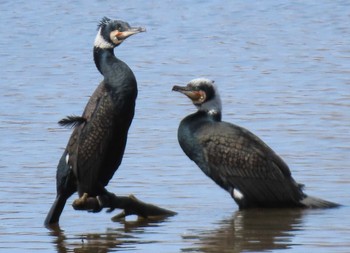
{"x": 96, "y": 146}
{"x": 236, "y": 159}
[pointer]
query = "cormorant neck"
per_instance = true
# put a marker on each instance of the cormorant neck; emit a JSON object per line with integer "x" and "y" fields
{"x": 208, "y": 115}
{"x": 213, "y": 114}
{"x": 104, "y": 57}
{"x": 212, "y": 108}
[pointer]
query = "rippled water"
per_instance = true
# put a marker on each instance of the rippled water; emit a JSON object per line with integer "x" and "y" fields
{"x": 283, "y": 72}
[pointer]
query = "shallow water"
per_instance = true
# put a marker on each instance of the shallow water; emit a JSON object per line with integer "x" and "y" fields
{"x": 283, "y": 72}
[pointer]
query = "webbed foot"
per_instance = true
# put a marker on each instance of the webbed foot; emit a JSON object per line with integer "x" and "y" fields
{"x": 81, "y": 201}
{"x": 87, "y": 203}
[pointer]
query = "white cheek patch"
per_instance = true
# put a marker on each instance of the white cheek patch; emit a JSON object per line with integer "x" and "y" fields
{"x": 100, "y": 42}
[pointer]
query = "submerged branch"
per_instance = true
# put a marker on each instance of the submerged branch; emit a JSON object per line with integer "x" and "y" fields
{"x": 130, "y": 205}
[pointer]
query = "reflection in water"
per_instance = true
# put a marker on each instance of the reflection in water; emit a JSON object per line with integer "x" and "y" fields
{"x": 252, "y": 230}
{"x": 103, "y": 242}
{"x": 87, "y": 242}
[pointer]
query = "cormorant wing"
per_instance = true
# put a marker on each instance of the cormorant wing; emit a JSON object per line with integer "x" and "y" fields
{"x": 237, "y": 159}
{"x": 89, "y": 138}
{"x": 240, "y": 152}
{"x": 91, "y": 106}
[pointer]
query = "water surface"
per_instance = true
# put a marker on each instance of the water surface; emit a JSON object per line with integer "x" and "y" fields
{"x": 283, "y": 72}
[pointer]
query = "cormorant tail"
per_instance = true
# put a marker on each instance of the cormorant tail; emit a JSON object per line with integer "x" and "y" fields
{"x": 55, "y": 212}
{"x": 313, "y": 202}
{"x": 72, "y": 121}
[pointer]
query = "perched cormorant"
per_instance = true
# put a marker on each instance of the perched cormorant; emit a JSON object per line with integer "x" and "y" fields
{"x": 96, "y": 146}
{"x": 236, "y": 159}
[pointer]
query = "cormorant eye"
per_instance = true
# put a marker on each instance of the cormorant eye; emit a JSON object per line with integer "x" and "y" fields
{"x": 119, "y": 27}
{"x": 195, "y": 88}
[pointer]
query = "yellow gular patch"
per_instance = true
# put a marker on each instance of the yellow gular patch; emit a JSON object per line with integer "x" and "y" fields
{"x": 198, "y": 97}
{"x": 202, "y": 96}
{"x": 114, "y": 36}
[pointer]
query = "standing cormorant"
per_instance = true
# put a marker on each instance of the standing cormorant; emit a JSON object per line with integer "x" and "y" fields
{"x": 96, "y": 146}
{"x": 236, "y": 159}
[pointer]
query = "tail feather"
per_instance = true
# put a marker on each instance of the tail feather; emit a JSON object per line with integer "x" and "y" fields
{"x": 313, "y": 202}
{"x": 55, "y": 211}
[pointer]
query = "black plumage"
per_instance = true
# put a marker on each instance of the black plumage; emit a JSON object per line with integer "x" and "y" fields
{"x": 236, "y": 159}
{"x": 96, "y": 146}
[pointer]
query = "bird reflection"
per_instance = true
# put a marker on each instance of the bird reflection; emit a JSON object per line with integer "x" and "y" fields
{"x": 252, "y": 230}
{"x": 122, "y": 237}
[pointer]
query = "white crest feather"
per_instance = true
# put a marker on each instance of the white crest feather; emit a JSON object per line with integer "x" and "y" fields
{"x": 198, "y": 81}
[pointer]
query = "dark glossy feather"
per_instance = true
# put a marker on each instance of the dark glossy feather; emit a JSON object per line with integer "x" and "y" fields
{"x": 65, "y": 186}
{"x": 104, "y": 21}
{"x": 72, "y": 121}
{"x": 102, "y": 141}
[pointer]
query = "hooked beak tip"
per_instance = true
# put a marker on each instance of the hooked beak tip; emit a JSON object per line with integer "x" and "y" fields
{"x": 142, "y": 29}
{"x": 176, "y": 88}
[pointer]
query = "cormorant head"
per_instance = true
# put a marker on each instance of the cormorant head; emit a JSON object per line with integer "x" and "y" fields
{"x": 203, "y": 94}
{"x": 112, "y": 33}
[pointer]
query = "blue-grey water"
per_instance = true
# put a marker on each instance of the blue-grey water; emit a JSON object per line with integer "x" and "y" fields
{"x": 282, "y": 68}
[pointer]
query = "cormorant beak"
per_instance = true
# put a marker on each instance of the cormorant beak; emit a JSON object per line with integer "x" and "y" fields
{"x": 129, "y": 32}
{"x": 186, "y": 90}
